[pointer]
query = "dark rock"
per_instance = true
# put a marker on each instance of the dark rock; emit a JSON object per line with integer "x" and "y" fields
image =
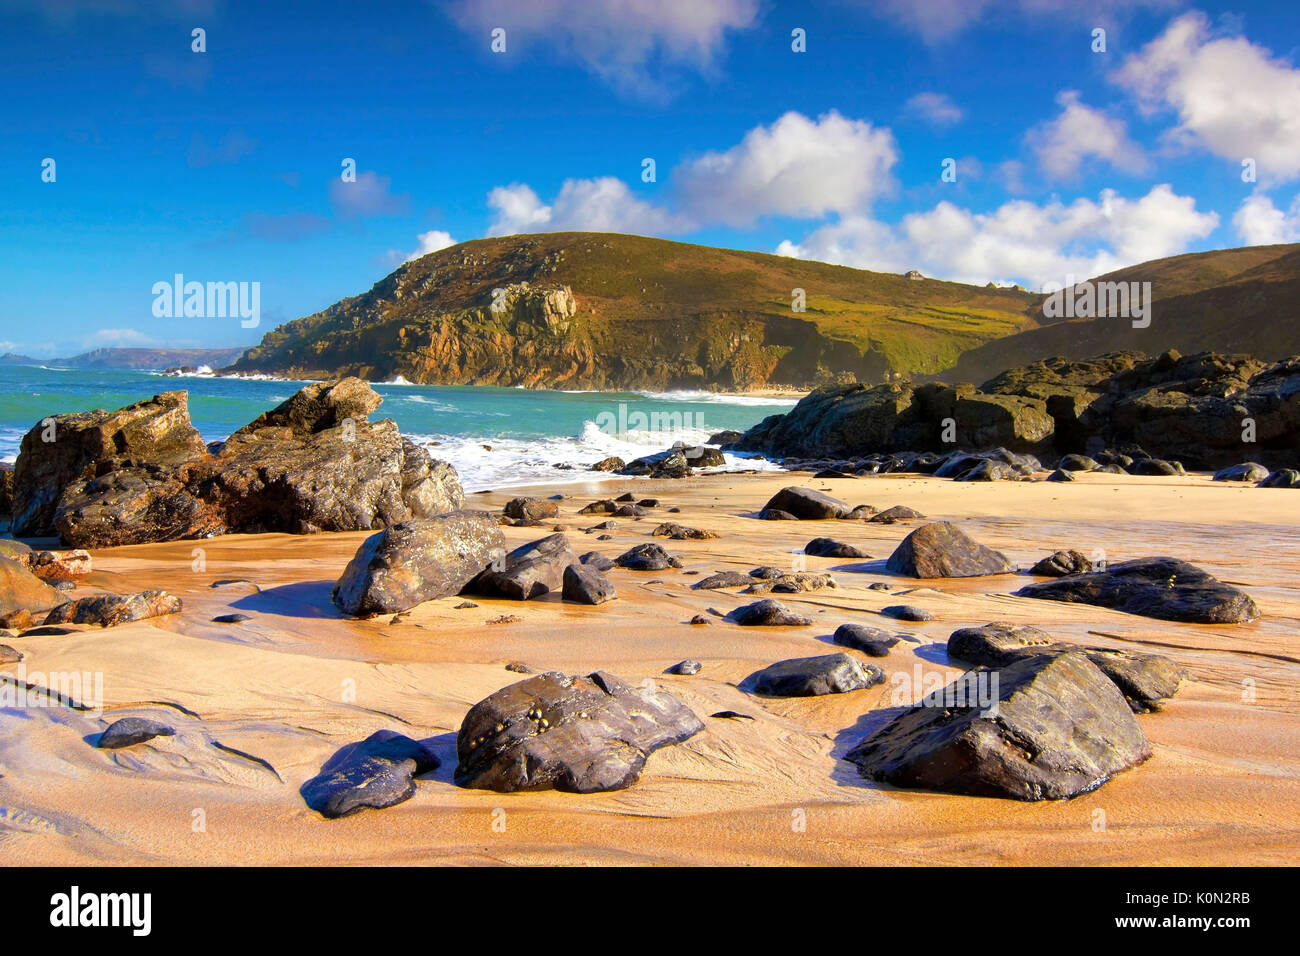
{"x": 130, "y": 731}
{"x": 647, "y": 557}
{"x": 596, "y": 560}
{"x": 418, "y": 560}
{"x": 1284, "y": 478}
{"x": 830, "y": 548}
{"x": 670, "y": 529}
{"x": 1077, "y": 463}
{"x": 530, "y": 509}
{"x": 724, "y": 437}
{"x": 872, "y": 641}
{"x": 631, "y": 511}
{"x": 815, "y": 676}
{"x": 1060, "y": 475}
{"x": 1246, "y": 471}
{"x": 807, "y": 504}
{"x": 373, "y": 773}
{"x": 731, "y": 715}
{"x": 110, "y": 610}
{"x": 766, "y": 571}
{"x": 613, "y": 463}
{"x": 685, "y": 668}
{"x": 700, "y": 619}
{"x": 793, "y": 583}
{"x": 768, "y": 613}
{"x": 941, "y": 550}
{"x": 776, "y": 514}
{"x": 723, "y": 579}
{"x": 1061, "y": 563}
{"x": 907, "y": 612}
{"x": 531, "y": 570}
{"x": 604, "y": 506}
{"x": 9, "y": 655}
{"x": 1156, "y": 466}
{"x": 584, "y": 584}
{"x": 896, "y": 513}
{"x": 575, "y": 734}
{"x": 1145, "y": 680}
{"x": 1161, "y": 587}
{"x": 1060, "y": 728}
{"x": 231, "y": 618}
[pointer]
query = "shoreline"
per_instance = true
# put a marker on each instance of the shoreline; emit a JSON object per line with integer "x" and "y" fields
{"x": 1224, "y": 780}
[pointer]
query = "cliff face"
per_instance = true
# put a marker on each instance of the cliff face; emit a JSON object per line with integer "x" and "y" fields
{"x": 596, "y": 311}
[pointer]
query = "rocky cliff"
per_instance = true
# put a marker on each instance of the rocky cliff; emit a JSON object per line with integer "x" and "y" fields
{"x": 603, "y": 311}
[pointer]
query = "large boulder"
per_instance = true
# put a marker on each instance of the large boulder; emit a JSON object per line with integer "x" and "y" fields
{"x": 133, "y": 506}
{"x": 85, "y": 444}
{"x": 1059, "y": 728}
{"x": 1161, "y": 587}
{"x": 1145, "y": 680}
{"x": 418, "y": 560}
{"x": 941, "y": 550}
{"x": 576, "y": 734}
{"x": 807, "y": 504}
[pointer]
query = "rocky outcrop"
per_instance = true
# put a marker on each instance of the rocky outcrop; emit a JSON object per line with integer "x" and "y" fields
{"x": 1060, "y": 728}
{"x": 942, "y": 550}
{"x": 142, "y": 473}
{"x": 418, "y": 560}
{"x": 1205, "y": 410}
{"x": 1163, "y": 587}
{"x": 576, "y": 734}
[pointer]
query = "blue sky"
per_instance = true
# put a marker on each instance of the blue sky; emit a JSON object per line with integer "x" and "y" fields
{"x": 225, "y": 165}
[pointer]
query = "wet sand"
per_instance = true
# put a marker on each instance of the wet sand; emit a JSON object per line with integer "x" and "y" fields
{"x": 259, "y": 706}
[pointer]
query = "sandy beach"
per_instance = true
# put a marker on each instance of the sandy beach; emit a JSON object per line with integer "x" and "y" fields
{"x": 259, "y": 706}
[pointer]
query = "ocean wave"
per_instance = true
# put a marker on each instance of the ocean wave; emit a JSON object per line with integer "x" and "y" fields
{"x": 488, "y": 462}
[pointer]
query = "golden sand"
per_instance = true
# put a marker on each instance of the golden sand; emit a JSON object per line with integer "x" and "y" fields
{"x": 296, "y": 682}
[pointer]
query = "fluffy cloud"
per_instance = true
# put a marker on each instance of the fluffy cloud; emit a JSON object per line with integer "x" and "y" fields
{"x": 1019, "y": 240}
{"x": 634, "y": 45}
{"x": 1079, "y": 133}
{"x": 1259, "y": 223}
{"x": 940, "y": 20}
{"x": 431, "y": 241}
{"x": 368, "y": 196}
{"x": 795, "y": 167}
{"x": 600, "y": 205}
{"x": 935, "y": 108}
{"x": 1232, "y": 97}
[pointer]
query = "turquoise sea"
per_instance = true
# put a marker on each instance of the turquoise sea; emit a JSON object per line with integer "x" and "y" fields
{"x": 527, "y": 432}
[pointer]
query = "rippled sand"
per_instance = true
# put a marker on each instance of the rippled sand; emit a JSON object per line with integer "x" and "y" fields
{"x": 281, "y": 692}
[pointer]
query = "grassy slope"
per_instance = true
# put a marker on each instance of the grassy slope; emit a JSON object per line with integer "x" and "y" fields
{"x": 1227, "y": 300}
{"x": 919, "y": 326}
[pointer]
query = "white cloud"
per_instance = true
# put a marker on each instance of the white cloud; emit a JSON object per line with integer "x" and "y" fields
{"x": 938, "y": 109}
{"x": 1018, "y": 241}
{"x": 637, "y": 46}
{"x": 1232, "y": 97}
{"x": 940, "y": 20}
{"x": 795, "y": 167}
{"x": 1259, "y": 223}
{"x": 600, "y": 205}
{"x": 434, "y": 240}
{"x": 1079, "y": 133}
